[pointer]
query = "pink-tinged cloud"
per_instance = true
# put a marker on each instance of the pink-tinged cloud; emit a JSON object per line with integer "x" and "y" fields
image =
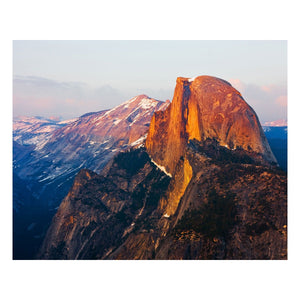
{"x": 237, "y": 84}
{"x": 40, "y": 96}
{"x": 268, "y": 101}
{"x": 70, "y": 101}
{"x": 266, "y": 88}
{"x": 282, "y": 101}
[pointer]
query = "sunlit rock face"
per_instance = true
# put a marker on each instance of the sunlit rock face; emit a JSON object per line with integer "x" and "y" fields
{"x": 202, "y": 108}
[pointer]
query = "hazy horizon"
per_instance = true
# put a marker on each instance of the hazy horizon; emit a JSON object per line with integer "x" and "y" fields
{"x": 70, "y": 78}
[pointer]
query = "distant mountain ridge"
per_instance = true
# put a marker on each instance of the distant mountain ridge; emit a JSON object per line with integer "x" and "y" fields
{"x": 276, "y": 123}
{"x": 278, "y": 140}
{"x": 34, "y": 130}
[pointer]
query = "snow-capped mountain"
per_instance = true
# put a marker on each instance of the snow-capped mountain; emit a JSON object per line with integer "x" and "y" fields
{"x": 48, "y": 154}
{"x": 276, "y": 123}
{"x": 62, "y": 148}
{"x": 35, "y": 130}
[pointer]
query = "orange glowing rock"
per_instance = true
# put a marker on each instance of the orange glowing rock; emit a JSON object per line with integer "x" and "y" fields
{"x": 205, "y": 107}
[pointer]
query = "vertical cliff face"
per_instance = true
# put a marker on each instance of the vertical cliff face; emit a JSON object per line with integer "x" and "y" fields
{"x": 202, "y": 108}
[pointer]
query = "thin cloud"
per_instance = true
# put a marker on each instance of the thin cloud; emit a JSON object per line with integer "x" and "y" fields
{"x": 41, "y": 82}
{"x": 268, "y": 101}
{"x": 34, "y": 95}
{"x": 282, "y": 101}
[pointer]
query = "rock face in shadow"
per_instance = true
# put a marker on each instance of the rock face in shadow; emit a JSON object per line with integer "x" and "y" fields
{"x": 205, "y": 186}
{"x": 206, "y": 107}
{"x": 232, "y": 208}
{"x": 100, "y": 212}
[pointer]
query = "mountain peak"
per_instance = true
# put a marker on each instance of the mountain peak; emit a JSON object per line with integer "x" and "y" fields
{"x": 143, "y": 96}
{"x": 203, "y": 79}
{"x": 205, "y": 107}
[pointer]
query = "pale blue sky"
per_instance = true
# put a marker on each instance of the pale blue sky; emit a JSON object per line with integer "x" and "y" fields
{"x": 69, "y": 78}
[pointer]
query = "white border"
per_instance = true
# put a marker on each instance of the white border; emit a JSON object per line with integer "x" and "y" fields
{"x": 149, "y": 20}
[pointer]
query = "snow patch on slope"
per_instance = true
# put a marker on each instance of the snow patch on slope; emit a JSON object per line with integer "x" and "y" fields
{"x": 191, "y": 79}
{"x": 147, "y": 103}
{"x": 65, "y": 122}
{"x": 117, "y": 121}
{"x": 126, "y": 104}
{"x": 162, "y": 168}
{"x": 140, "y": 140}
